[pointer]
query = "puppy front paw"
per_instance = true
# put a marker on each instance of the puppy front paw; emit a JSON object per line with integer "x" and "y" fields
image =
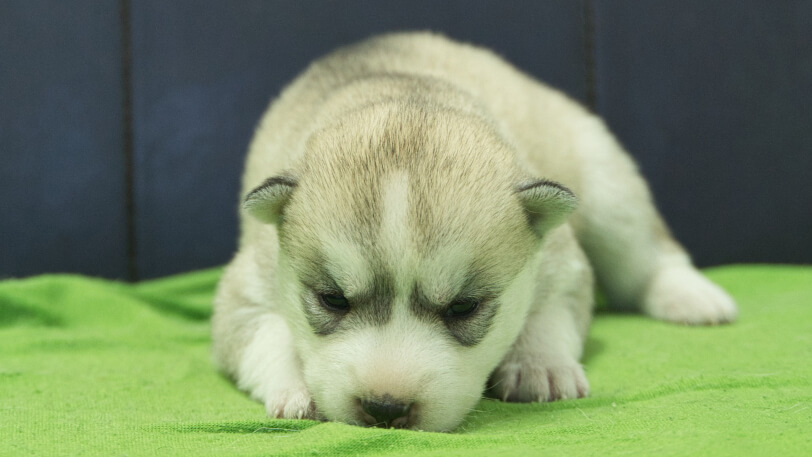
{"x": 683, "y": 295}
{"x": 533, "y": 380}
{"x": 295, "y": 403}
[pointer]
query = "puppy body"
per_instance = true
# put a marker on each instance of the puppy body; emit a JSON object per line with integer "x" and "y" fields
{"x": 399, "y": 179}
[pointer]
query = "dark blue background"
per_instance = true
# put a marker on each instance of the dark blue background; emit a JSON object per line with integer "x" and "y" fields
{"x": 123, "y": 125}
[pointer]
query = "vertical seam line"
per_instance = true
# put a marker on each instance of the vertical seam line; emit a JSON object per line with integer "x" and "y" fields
{"x": 589, "y": 55}
{"x": 127, "y": 139}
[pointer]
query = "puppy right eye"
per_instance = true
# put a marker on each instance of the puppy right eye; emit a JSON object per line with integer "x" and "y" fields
{"x": 461, "y": 308}
{"x": 334, "y": 302}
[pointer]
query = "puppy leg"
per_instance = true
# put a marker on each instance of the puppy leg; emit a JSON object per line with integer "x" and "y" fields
{"x": 254, "y": 346}
{"x": 637, "y": 262}
{"x": 270, "y": 371}
{"x": 543, "y": 363}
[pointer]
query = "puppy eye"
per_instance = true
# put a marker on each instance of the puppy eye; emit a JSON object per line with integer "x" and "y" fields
{"x": 335, "y": 302}
{"x": 461, "y": 308}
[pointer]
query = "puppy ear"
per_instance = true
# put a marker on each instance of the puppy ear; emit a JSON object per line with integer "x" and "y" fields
{"x": 267, "y": 201}
{"x": 547, "y": 204}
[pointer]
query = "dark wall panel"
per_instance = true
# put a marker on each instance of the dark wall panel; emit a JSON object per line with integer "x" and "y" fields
{"x": 714, "y": 100}
{"x": 203, "y": 72}
{"x": 62, "y": 188}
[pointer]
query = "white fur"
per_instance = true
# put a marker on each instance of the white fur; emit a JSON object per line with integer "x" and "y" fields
{"x": 270, "y": 370}
{"x": 395, "y": 236}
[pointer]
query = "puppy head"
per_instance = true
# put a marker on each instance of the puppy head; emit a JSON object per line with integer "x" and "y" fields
{"x": 406, "y": 240}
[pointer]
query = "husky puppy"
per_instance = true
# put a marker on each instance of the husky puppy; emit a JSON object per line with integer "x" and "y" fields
{"x": 421, "y": 221}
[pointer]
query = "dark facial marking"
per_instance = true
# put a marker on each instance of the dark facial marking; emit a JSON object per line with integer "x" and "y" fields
{"x": 327, "y": 313}
{"x": 313, "y": 275}
{"x": 375, "y": 305}
{"x": 323, "y": 321}
{"x": 468, "y": 327}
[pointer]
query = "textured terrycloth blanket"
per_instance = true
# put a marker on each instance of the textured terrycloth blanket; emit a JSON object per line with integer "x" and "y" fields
{"x": 93, "y": 367}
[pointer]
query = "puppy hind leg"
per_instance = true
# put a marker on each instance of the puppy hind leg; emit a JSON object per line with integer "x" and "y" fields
{"x": 637, "y": 262}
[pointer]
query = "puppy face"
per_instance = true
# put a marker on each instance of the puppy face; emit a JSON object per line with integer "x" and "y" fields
{"x": 405, "y": 260}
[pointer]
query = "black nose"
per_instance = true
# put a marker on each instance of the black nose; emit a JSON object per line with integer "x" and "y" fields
{"x": 386, "y": 412}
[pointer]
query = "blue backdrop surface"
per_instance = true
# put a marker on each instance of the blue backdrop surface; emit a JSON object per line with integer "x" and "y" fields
{"x": 124, "y": 125}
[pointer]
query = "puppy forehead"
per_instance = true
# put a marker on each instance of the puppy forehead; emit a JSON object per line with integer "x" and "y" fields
{"x": 456, "y": 253}
{"x": 421, "y": 199}
{"x": 395, "y": 248}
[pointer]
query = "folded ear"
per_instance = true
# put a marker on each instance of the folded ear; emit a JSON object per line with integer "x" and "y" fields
{"x": 546, "y": 203}
{"x": 267, "y": 201}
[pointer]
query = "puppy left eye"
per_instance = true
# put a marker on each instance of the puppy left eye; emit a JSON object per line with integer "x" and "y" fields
{"x": 462, "y": 308}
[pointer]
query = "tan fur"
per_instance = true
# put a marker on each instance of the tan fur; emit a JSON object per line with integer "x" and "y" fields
{"x": 410, "y": 154}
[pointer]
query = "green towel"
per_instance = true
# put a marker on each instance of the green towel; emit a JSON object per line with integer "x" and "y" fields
{"x": 93, "y": 367}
